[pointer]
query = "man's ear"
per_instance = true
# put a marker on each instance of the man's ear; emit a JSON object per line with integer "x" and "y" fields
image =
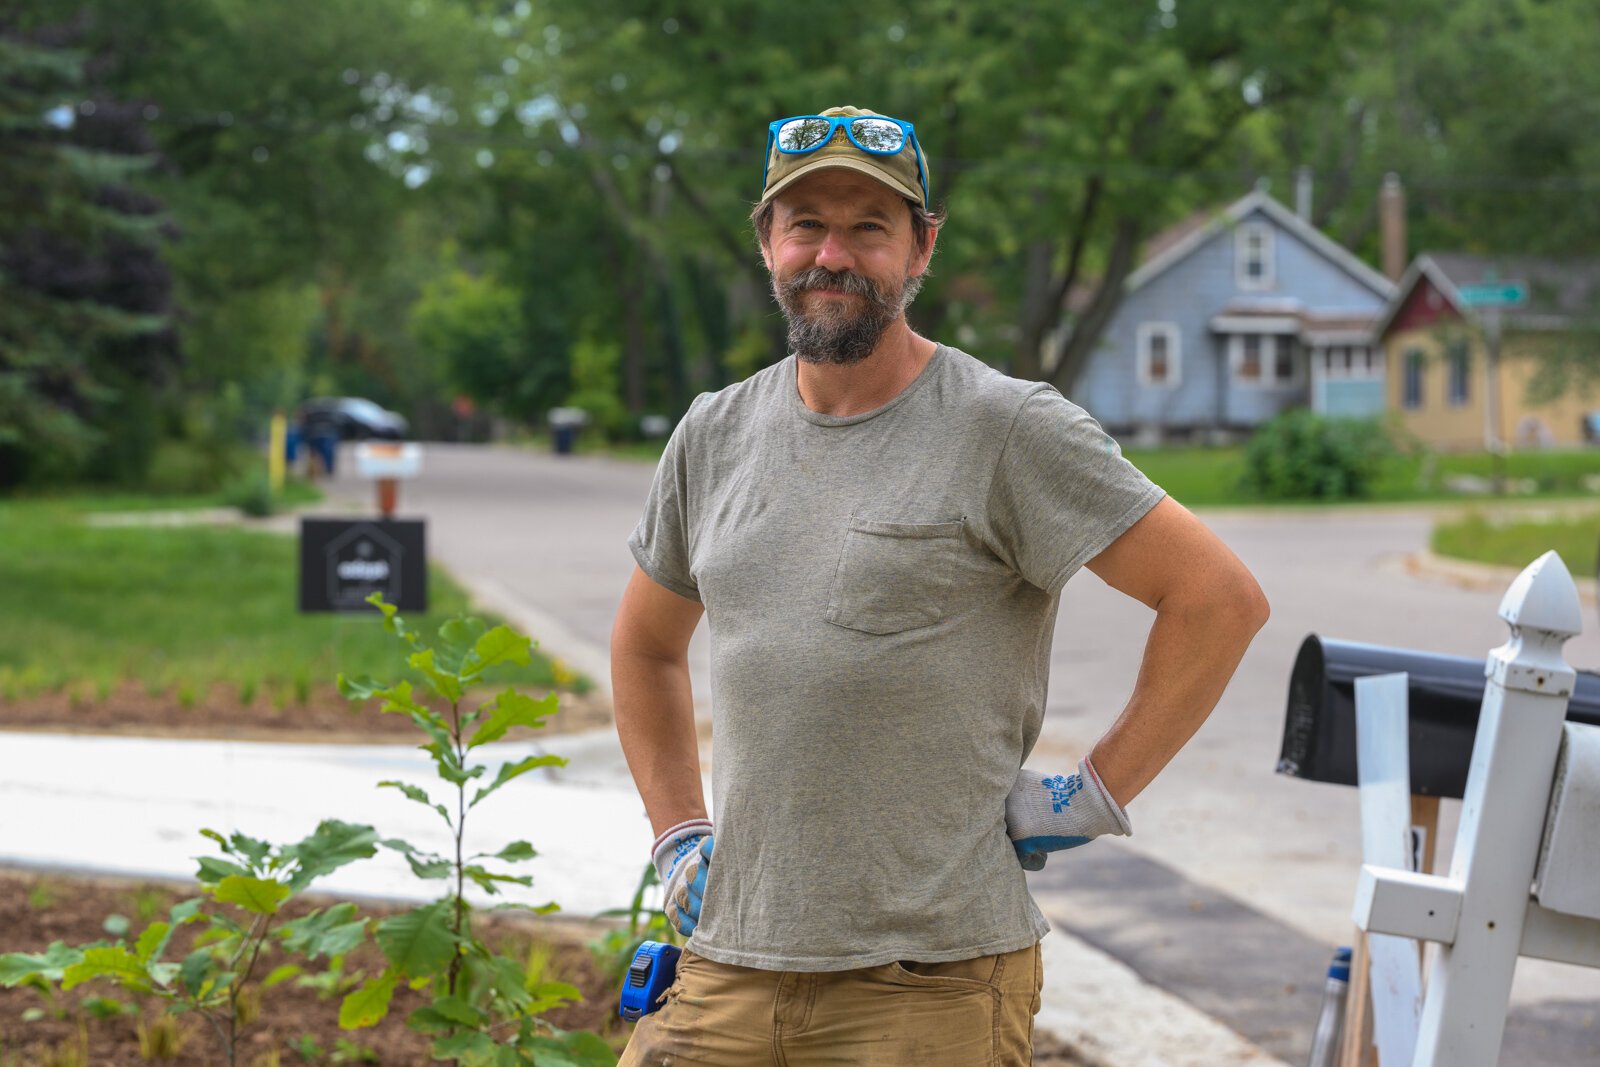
{"x": 920, "y": 258}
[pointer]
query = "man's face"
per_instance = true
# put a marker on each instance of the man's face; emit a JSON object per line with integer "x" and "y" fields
{"x": 844, "y": 263}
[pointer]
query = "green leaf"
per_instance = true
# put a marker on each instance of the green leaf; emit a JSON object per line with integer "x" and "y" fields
{"x": 50, "y": 965}
{"x": 398, "y": 698}
{"x": 254, "y": 850}
{"x": 500, "y": 645}
{"x": 447, "y": 686}
{"x": 213, "y": 870}
{"x": 419, "y": 795}
{"x": 115, "y": 925}
{"x": 462, "y": 631}
{"x": 445, "y": 1013}
{"x": 418, "y": 943}
{"x": 260, "y": 896}
{"x": 423, "y": 864}
{"x": 369, "y": 1003}
{"x": 583, "y": 1048}
{"x": 185, "y": 911}
{"x": 487, "y": 880}
{"x": 361, "y": 687}
{"x": 333, "y": 932}
{"x": 510, "y": 771}
{"x": 153, "y": 942}
{"x": 194, "y": 972}
{"x": 470, "y": 1047}
{"x": 330, "y": 847}
{"x": 279, "y": 975}
{"x": 510, "y": 709}
{"x": 113, "y": 962}
{"x": 516, "y": 852}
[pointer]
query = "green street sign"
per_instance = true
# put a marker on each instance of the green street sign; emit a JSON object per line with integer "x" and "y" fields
{"x": 1503, "y": 294}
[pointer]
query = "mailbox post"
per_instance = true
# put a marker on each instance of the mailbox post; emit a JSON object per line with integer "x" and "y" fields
{"x": 387, "y": 463}
{"x": 1483, "y": 913}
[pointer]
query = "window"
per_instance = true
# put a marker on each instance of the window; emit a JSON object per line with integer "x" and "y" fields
{"x": 1252, "y": 254}
{"x": 1262, "y": 359}
{"x": 1412, "y": 385}
{"x": 1460, "y": 363}
{"x": 1160, "y": 353}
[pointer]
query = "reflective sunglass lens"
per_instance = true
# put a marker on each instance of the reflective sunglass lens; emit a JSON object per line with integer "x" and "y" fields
{"x": 798, "y": 135}
{"x": 878, "y": 135}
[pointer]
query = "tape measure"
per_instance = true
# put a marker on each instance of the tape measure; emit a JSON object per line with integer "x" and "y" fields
{"x": 653, "y": 968}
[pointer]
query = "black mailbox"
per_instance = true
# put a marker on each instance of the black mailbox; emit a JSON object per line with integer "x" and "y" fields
{"x": 1445, "y": 694}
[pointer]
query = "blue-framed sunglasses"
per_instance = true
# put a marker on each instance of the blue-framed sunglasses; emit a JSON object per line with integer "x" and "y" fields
{"x": 876, "y": 135}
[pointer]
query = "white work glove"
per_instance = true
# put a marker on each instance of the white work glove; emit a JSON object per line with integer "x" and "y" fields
{"x": 682, "y": 857}
{"x": 1047, "y": 813}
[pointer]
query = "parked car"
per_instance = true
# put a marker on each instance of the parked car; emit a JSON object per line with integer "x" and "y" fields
{"x": 349, "y": 418}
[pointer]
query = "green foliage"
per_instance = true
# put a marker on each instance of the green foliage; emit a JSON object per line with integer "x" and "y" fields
{"x": 614, "y": 950}
{"x": 1299, "y": 455}
{"x": 596, "y": 386}
{"x": 476, "y": 325}
{"x": 1510, "y": 541}
{"x": 244, "y": 887}
{"x": 485, "y": 1008}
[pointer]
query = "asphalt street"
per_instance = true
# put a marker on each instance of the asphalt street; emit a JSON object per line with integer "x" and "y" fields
{"x": 1199, "y": 941}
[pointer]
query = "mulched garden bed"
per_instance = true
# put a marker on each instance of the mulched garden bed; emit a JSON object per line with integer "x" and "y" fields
{"x": 74, "y": 1030}
{"x": 320, "y": 715}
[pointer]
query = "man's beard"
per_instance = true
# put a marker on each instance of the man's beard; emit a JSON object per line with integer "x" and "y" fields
{"x": 835, "y": 333}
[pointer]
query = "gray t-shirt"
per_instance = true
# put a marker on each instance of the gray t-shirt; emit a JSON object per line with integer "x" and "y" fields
{"x": 881, "y": 591}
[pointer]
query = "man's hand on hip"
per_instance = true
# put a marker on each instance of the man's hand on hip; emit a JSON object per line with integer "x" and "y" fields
{"x": 682, "y": 857}
{"x": 1046, "y": 813}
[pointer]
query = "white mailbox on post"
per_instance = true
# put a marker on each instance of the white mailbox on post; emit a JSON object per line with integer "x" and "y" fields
{"x": 386, "y": 462}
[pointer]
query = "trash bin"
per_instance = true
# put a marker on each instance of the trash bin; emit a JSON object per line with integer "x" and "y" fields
{"x": 564, "y": 426}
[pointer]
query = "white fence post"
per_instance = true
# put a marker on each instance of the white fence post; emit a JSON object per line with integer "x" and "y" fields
{"x": 1478, "y": 913}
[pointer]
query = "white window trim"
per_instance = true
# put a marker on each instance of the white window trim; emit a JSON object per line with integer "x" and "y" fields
{"x": 1241, "y": 251}
{"x": 1269, "y": 362}
{"x": 1174, "y": 338}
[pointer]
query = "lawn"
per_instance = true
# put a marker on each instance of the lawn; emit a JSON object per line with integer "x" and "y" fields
{"x": 180, "y": 610}
{"x": 1205, "y": 476}
{"x": 1518, "y": 542}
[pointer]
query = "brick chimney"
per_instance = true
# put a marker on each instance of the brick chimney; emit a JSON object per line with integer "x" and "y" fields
{"x": 1392, "y": 226}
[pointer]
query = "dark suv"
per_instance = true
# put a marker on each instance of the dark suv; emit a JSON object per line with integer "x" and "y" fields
{"x": 349, "y": 418}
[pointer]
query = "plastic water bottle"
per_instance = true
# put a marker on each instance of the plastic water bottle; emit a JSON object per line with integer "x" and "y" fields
{"x": 1330, "y": 1024}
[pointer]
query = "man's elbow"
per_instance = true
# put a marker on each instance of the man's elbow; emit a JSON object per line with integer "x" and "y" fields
{"x": 1248, "y": 606}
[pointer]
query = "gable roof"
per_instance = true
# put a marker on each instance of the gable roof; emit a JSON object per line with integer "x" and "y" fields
{"x": 1561, "y": 293}
{"x": 1177, "y": 251}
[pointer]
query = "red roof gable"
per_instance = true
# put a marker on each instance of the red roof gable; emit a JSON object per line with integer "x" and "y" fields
{"x": 1424, "y": 306}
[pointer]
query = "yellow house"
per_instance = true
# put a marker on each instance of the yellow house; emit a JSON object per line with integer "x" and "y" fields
{"x": 1438, "y": 376}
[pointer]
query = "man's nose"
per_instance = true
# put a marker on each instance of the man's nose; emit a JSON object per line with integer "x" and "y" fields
{"x": 834, "y": 252}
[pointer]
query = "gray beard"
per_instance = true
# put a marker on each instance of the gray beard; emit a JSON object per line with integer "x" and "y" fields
{"x": 840, "y": 336}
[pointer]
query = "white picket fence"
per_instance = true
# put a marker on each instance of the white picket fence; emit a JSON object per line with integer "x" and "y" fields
{"x": 1524, "y": 876}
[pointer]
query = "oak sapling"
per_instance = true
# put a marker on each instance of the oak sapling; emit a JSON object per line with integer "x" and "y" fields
{"x": 484, "y": 1009}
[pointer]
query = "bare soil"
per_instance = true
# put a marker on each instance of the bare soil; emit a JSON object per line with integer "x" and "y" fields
{"x": 322, "y": 717}
{"x": 37, "y": 909}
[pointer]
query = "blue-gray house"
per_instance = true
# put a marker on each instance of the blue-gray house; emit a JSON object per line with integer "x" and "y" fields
{"x": 1253, "y": 312}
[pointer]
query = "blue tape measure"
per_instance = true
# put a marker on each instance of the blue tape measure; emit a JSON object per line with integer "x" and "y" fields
{"x": 649, "y": 975}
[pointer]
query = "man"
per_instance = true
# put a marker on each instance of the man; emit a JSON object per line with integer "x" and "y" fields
{"x": 878, "y": 529}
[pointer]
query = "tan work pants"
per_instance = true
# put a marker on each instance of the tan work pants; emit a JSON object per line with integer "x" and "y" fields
{"x": 970, "y": 1013}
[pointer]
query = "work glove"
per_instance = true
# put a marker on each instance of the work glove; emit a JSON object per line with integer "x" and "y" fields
{"x": 1046, "y": 813}
{"x": 682, "y": 857}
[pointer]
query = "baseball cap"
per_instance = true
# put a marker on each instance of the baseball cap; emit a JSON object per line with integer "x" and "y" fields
{"x": 899, "y": 170}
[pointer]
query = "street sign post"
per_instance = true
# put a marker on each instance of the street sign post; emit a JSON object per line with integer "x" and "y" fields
{"x": 1492, "y": 296}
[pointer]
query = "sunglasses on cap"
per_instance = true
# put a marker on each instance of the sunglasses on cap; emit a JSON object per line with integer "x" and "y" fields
{"x": 876, "y": 135}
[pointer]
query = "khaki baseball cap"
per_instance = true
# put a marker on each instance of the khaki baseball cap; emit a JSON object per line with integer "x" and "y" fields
{"x": 898, "y": 171}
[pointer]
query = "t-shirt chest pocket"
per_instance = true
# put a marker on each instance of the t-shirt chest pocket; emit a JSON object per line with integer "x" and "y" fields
{"x": 894, "y": 576}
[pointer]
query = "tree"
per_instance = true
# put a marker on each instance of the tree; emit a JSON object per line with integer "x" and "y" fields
{"x": 83, "y": 295}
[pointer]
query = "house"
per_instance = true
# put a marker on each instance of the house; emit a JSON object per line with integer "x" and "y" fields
{"x": 1440, "y": 379}
{"x": 1252, "y": 312}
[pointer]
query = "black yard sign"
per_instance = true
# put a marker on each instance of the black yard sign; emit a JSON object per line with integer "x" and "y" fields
{"x": 342, "y": 562}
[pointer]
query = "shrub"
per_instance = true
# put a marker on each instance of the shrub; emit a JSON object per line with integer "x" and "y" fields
{"x": 1299, "y": 455}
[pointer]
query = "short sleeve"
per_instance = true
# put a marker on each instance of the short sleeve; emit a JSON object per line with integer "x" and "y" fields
{"x": 660, "y": 543}
{"x": 1062, "y": 491}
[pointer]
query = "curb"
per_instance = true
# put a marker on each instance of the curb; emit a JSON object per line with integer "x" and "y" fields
{"x": 1466, "y": 574}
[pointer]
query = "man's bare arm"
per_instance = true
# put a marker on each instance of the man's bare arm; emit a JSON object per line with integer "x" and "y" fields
{"x": 1208, "y": 607}
{"x": 654, "y": 705}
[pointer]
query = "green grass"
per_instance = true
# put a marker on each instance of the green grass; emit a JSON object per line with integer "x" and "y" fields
{"x": 180, "y": 610}
{"x": 1209, "y": 476}
{"x": 1518, "y": 542}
